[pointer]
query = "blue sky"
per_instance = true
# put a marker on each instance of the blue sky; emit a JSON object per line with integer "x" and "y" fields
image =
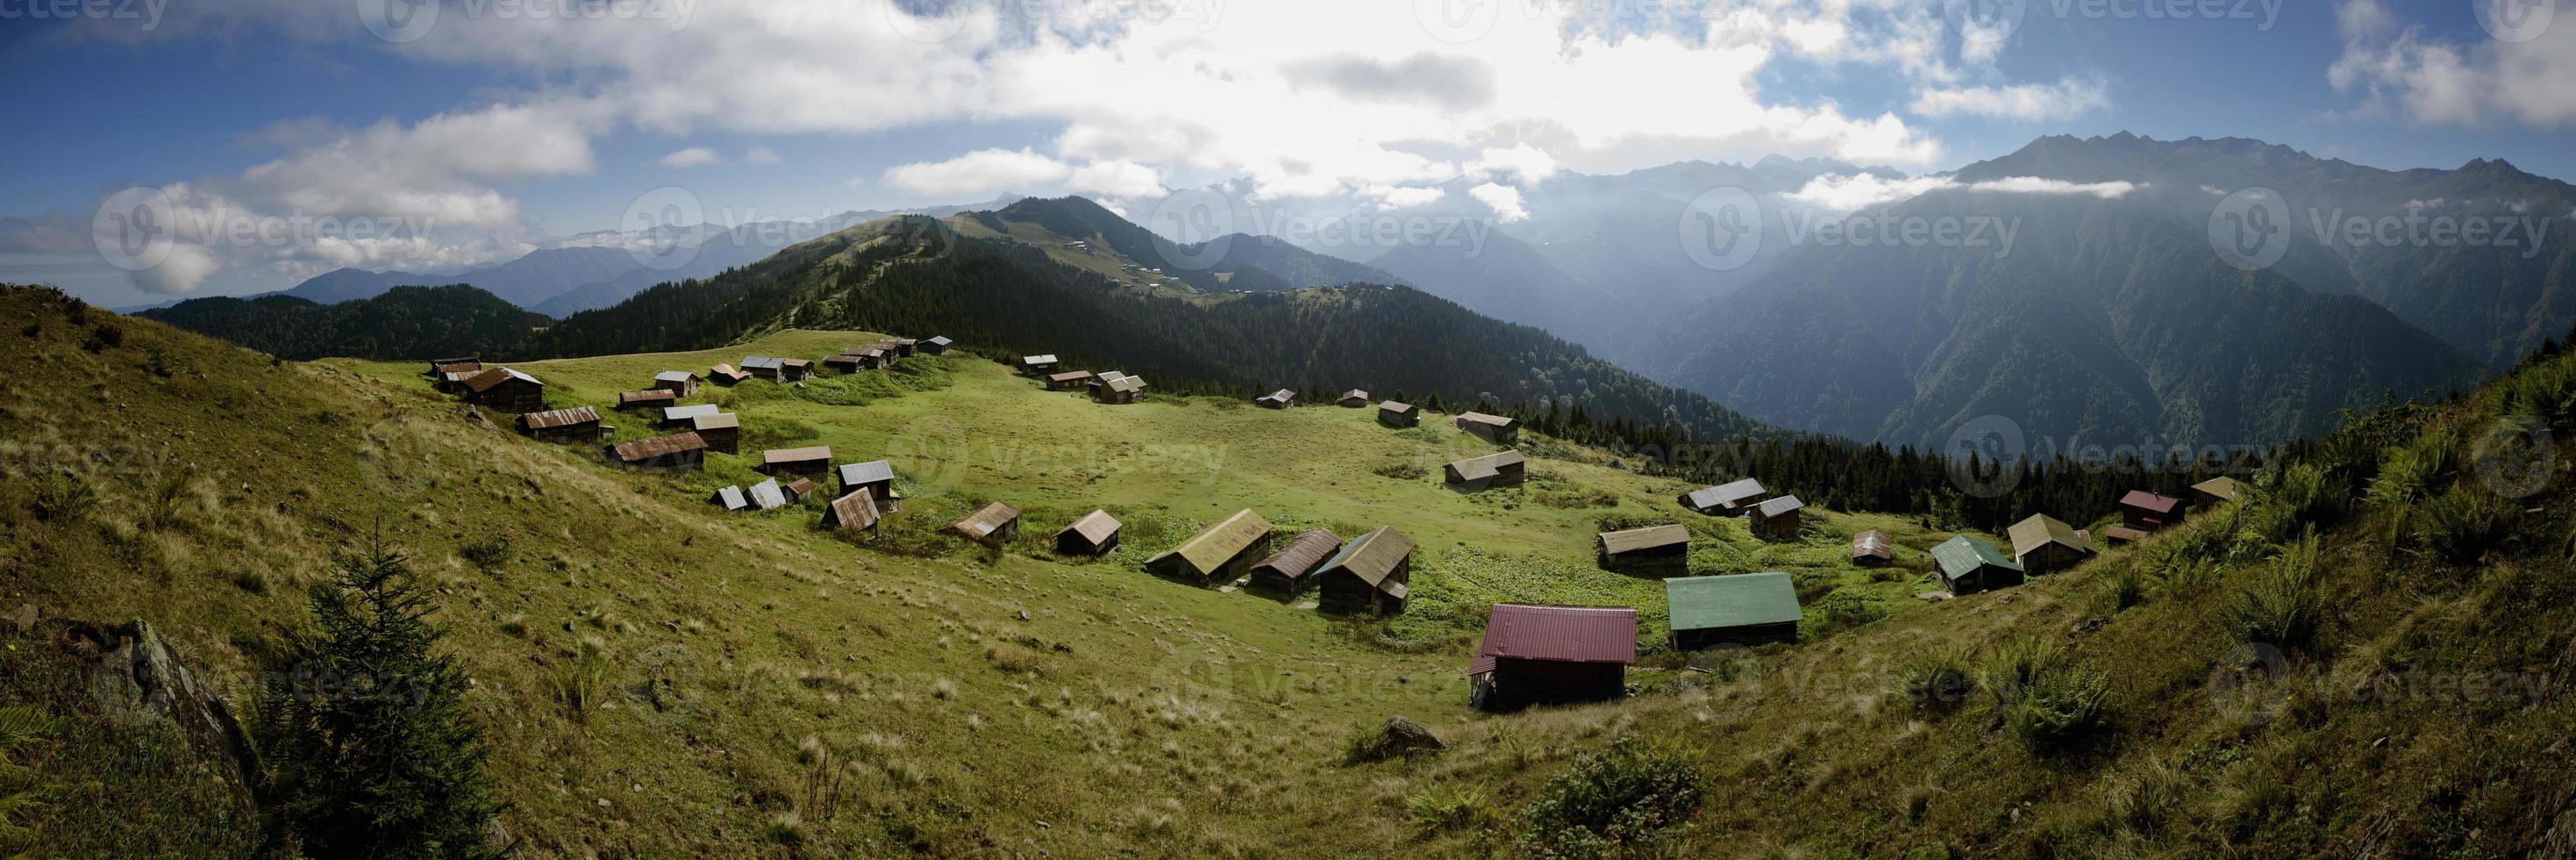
{"x": 494, "y": 130}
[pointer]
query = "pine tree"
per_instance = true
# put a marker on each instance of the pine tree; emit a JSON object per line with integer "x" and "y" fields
{"x": 367, "y": 748}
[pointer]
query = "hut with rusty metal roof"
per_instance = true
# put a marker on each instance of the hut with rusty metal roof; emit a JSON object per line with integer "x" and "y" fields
{"x": 465, "y": 364}
{"x": 678, "y": 451}
{"x": 578, "y": 424}
{"x": 875, "y": 476}
{"x": 2123, "y": 535}
{"x": 650, "y": 398}
{"x": 1117, "y": 387}
{"x": 1661, "y": 550}
{"x": 1776, "y": 517}
{"x": 1497, "y": 429}
{"x": 1726, "y": 499}
{"x": 810, "y": 460}
{"x": 1280, "y": 399}
{"x": 678, "y": 415}
{"x": 1872, "y": 548}
{"x": 1742, "y": 609}
{"x": 1394, "y": 414}
{"x": 2042, "y": 544}
{"x": 725, "y": 374}
{"x": 2147, "y": 511}
{"x": 506, "y": 390}
{"x": 1500, "y": 469}
{"x": 798, "y": 489}
{"x": 1355, "y": 398}
{"x": 767, "y": 495}
{"x": 1218, "y": 554}
{"x": 678, "y": 382}
{"x": 722, "y": 430}
{"x": 994, "y": 523}
{"x": 1552, "y": 655}
{"x": 1968, "y": 565}
{"x": 1285, "y": 573}
{"x": 1371, "y": 574}
{"x": 855, "y": 509}
{"x": 1070, "y": 380}
{"x": 851, "y": 361}
{"x": 1095, "y": 534}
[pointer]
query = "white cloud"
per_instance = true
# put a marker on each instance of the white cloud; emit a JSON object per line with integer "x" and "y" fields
{"x": 983, "y": 172}
{"x": 695, "y": 156}
{"x": 1840, "y": 193}
{"x": 1403, "y": 197}
{"x": 1115, "y": 178}
{"x": 760, "y": 155}
{"x": 1522, "y": 161}
{"x": 1503, "y": 199}
{"x": 2036, "y": 185}
{"x": 2398, "y": 71}
{"x": 2065, "y": 99}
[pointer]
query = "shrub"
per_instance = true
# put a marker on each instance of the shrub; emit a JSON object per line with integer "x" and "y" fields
{"x": 489, "y": 553}
{"x": 168, "y": 493}
{"x": 1402, "y": 471}
{"x": 22, "y": 789}
{"x": 2407, "y": 472}
{"x": 2128, "y": 587}
{"x": 2460, "y": 525}
{"x": 1937, "y": 680}
{"x": 2281, "y": 606}
{"x": 1446, "y": 807}
{"x": 581, "y": 682}
{"x": 1625, "y": 799}
{"x": 63, "y": 497}
{"x": 2033, "y": 691}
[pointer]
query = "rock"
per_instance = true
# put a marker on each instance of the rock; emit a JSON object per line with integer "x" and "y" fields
{"x": 1406, "y": 737}
{"x": 1024, "y": 615}
{"x": 139, "y": 681}
{"x": 1932, "y": 596}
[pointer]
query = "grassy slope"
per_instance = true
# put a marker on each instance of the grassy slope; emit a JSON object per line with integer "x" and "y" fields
{"x": 1201, "y": 720}
{"x": 1191, "y": 721}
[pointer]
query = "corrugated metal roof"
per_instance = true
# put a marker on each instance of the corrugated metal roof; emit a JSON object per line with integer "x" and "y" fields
{"x": 659, "y": 446}
{"x": 870, "y": 472}
{"x": 654, "y": 395}
{"x": 551, "y": 419}
{"x": 794, "y": 362}
{"x": 1650, "y": 537}
{"x": 761, "y": 362}
{"x": 1303, "y": 553}
{"x": 1355, "y": 394}
{"x": 775, "y": 456}
{"x": 768, "y": 496}
{"x": 1703, "y": 602}
{"x": 2222, "y": 487}
{"x": 1778, "y": 505}
{"x": 684, "y": 413}
{"x": 1961, "y": 555}
{"x": 1729, "y": 494}
{"x": 1209, "y": 549}
{"x": 2041, "y": 529}
{"x": 1038, "y": 359}
{"x": 1373, "y": 556}
{"x": 800, "y": 488}
{"x": 1096, "y": 527}
{"x": 1392, "y": 406}
{"x": 941, "y": 340}
{"x": 468, "y": 367}
{"x": 1125, "y": 384}
{"x": 727, "y": 371}
{"x": 730, "y": 496}
{"x": 1579, "y": 634}
{"x": 494, "y": 376}
{"x": 715, "y": 421}
{"x": 1480, "y": 468}
{"x": 855, "y": 509}
{"x": 675, "y": 376}
{"x": 1488, "y": 420}
{"x": 1873, "y": 543}
{"x": 986, "y": 520}
{"x": 1069, "y": 376}
{"x": 2147, "y": 501}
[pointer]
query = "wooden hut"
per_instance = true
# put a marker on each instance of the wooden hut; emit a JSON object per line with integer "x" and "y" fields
{"x": 1393, "y": 414}
{"x": 1726, "y": 499}
{"x": 1873, "y": 548}
{"x": 800, "y": 488}
{"x": 1116, "y": 387}
{"x": 725, "y": 374}
{"x": 1744, "y": 609}
{"x": 1218, "y": 554}
{"x": 900, "y": 347}
{"x": 1355, "y": 398}
{"x": 813, "y": 460}
{"x": 2041, "y": 544}
{"x": 1095, "y": 534}
{"x": 850, "y": 361}
{"x": 465, "y": 364}
{"x": 2219, "y": 490}
{"x": 680, "y": 382}
{"x": 730, "y": 497}
{"x": 678, "y": 451}
{"x": 506, "y": 390}
{"x": 1280, "y": 399}
{"x": 1071, "y": 380}
{"x": 2145, "y": 511}
{"x": 762, "y": 366}
{"x": 1968, "y": 565}
{"x": 937, "y": 345}
{"x": 794, "y": 369}
{"x": 650, "y": 398}
{"x": 1373, "y": 573}
{"x": 674, "y": 416}
{"x": 579, "y": 424}
{"x": 767, "y": 495}
{"x": 2123, "y": 535}
{"x": 1776, "y": 517}
{"x": 1552, "y": 655}
{"x": 853, "y": 510}
{"x": 1038, "y": 365}
{"x": 1286, "y": 573}
{"x": 994, "y": 523}
{"x": 1661, "y": 550}
{"x": 1491, "y": 428}
{"x": 1501, "y": 469}
{"x": 722, "y": 430}
{"x": 875, "y": 476}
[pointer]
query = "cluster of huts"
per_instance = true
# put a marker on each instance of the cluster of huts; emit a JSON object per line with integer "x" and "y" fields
{"x": 1107, "y": 386}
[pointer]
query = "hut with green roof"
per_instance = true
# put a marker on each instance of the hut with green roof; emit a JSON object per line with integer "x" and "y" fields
{"x": 1969, "y": 565}
{"x": 1741, "y": 609}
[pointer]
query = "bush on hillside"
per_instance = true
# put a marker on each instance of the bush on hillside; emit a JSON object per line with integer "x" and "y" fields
{"x": 1937, "y": 680}
{"x": 1624, "y": 800}
{"x": 2408, "y": 472}
{"x": 2280, "y": 607}
{"x": 2460, "y": 525}
{"x": 2034, "y": 691}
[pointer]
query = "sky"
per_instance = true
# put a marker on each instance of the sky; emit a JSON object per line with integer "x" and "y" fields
{"x": 266, "y": 141}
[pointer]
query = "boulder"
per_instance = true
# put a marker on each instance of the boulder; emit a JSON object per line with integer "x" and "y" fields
{"x": 139, "y": 681}
{"x": 1406, "y": 737}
